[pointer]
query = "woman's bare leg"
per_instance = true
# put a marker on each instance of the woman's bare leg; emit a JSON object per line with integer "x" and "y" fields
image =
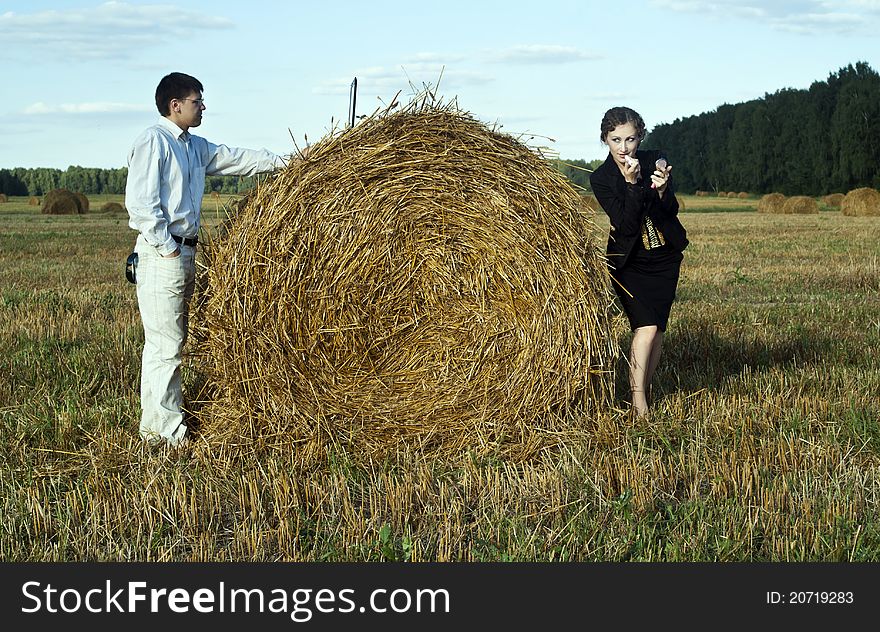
{"x": 653, "y": 361}
{"x": 643, "y": 343}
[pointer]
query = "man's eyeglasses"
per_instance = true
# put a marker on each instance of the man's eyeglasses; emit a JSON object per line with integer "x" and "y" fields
{"x": 198, "y": 102}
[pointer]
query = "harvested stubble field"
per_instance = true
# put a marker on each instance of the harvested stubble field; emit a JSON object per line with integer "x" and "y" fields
{"x": 764, "y": 443}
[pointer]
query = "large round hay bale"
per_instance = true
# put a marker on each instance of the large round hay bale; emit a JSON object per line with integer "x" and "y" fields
{"x": 721, "y": 194}
{"x": 61, "y": 202}
{"x": 112, "y": 207}
{"x": 3, "y": 198}
{"x": 33, "y": 201}
{"x": 800, "y": 205}
{"x": 771, "y": 203}
{"x": 83, "y": 201}
{"x": 743, "y": 195}
{"x": 731, "y": 194}
{"x": 863, "y": 201}
{"x": 416, "y": 282}
{"x": 833, "y": 200}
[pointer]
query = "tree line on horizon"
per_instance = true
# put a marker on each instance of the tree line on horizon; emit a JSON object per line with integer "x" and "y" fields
{"x": 821, "y": 140}
{"x": 825, "y": 139}
{"x": 95, "y": 181}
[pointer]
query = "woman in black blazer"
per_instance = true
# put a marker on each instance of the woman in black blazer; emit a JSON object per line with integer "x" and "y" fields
{"x": 645, "y": 243}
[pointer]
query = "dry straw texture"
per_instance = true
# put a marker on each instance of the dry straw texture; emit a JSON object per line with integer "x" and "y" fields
{"x": 416, "y": 282}
{"x": 743, "y": 195}
{"x": 83, "y": 201}
{"x": 833, "y": 200}
{"x": 800, "y": 205}
{"x": 771, "y": 203}
{"x": 589, "y": 204}
{"x": 33, "y": 201}
{"x": 3, "y": 198}
{"x": 61, "y": 202}
{"x": 113, "y": 207}
{"x": 864, "y": 201}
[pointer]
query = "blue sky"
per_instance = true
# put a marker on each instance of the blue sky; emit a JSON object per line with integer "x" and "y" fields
{"x": 78, "y": 78}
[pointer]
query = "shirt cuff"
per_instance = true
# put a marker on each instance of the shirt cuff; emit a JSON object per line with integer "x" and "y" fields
{"x": 167, "y": 248}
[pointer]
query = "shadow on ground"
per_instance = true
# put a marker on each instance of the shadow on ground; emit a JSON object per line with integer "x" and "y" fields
{"x": 697, "y": 356}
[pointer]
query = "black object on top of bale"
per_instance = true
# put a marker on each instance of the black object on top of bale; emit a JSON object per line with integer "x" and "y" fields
{"x": 416, "y": 282}
{"x": 62, "y": 202}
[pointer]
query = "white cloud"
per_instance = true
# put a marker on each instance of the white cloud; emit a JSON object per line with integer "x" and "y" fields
{"x": 111, "y": 30}
{"x": 869, "y": 5}
{"x": 541, "y": 54}
{"x": 807, "y": 17}
{"x": 814, "y": 23}
{"x": 384, "y": 80}
{"x": 98, "y": 107}
{"x": 449, "y": 70}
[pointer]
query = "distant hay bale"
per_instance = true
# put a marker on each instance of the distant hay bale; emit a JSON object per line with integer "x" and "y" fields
{"x": 742, "y": 195}
{"x": 61, "y": 202}
{"x": 215, "y": 195}
{"x": 33, "y": 201}
{"x": 113, "y": 207}
{"x": 731, "y": 194}
{"x": 721, "y": 194}
{"x": 800, "y": 205}
{"x": 83, "y": 201}
{"x": 416, "y": 282}
{"x": 861, "y": 202}
{"x": 703, "y": 194}
{"x": 771, "y": 203}
{"x": 833, "y": 200}
{"x": 3, "y": 198}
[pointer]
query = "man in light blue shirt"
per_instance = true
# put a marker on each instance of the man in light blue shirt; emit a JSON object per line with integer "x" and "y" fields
{"x": 163, "y": 194}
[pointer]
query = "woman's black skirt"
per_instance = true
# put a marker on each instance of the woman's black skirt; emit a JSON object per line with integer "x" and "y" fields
{"x": 646, "y": 285}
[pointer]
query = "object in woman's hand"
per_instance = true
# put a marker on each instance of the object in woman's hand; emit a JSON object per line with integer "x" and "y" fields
{"x": 630, "y": 161}
{"x": 661, "y": 166}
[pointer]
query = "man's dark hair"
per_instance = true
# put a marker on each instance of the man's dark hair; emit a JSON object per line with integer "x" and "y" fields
{"x": 175, "y": 86}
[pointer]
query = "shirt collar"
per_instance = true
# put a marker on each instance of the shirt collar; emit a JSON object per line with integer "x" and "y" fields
{"x": 172, "y": 127}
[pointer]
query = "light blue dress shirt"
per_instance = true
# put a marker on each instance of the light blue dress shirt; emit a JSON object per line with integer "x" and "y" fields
{"x": 166, "y": 180}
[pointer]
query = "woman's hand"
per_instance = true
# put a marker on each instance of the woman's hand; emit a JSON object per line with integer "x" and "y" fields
{"x": 660, "y": 178}
{"x": 632, "y": 170}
